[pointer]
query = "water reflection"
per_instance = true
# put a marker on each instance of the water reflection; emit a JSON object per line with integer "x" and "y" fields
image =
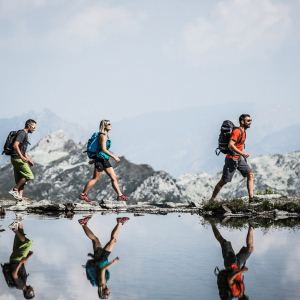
{"x": 14, "y": 271}
{"x": 97, "y": 268}
{"x": 230, "y": 280}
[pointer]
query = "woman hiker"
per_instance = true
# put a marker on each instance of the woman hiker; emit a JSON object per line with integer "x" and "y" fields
{"x": 102, "y": 163}
{"x": 97, "y": 267}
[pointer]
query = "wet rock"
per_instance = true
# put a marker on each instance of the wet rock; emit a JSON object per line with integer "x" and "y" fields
{"x": 84, "y": 207}
{"x": 223, "y": 209}
{"x": 70, "y": 206}
{"x": 169, "y": 204}
{"x": 46, "y": 205}
{"x": 195, "y": 204}
{"x": 280, "y": 212}
{"x": 17, "y": 208}
{"x": 112, "y": 204}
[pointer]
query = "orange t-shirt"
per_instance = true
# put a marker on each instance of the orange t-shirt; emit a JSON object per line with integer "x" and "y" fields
{"x": 235, "y": 290}
{"x": 235, "y": 136}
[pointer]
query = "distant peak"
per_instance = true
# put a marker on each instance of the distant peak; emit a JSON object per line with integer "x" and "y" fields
{"x": 55, "y": 141}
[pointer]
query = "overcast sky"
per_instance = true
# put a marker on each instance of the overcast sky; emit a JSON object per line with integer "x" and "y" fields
{"x": 87, "y": 59}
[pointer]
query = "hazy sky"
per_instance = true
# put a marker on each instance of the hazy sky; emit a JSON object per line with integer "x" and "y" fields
{"x": 117, "y": 59}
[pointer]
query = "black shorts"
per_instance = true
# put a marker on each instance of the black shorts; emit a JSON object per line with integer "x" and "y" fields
{"x": 232, "y": 164}
{"x": 102, "y": 164}
{"x": 101, "y": 254}
{"x": 230, "y": 258}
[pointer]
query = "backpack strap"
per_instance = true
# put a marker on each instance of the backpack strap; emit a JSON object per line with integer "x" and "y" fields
{"x": 240, "y": 140}
{"x": 216, "y": 271}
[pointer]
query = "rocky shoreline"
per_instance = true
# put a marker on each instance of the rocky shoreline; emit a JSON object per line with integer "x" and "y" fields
{"x": 271, "y": 207}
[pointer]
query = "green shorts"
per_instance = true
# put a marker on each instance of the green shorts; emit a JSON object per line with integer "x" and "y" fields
{"x": 20, "y": 249}
{"x": 21, "y": 169}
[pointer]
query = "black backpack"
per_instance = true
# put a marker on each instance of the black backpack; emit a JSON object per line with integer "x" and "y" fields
{"x": 224, "y": 137}
{"x": 8, "y": 148}
{"x": 7, "y": 270}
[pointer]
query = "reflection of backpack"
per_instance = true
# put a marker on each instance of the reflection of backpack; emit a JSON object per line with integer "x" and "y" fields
{"x": 223, "y": 286}
{"x": 91, "y": 271}
{"x": 7, "y": 270}
{"x": 92, "y": 146}
{"x": 224, "y": 137}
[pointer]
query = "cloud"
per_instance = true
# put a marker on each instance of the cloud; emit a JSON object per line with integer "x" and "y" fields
{"x": 70, "y": 25}
{"x": 96, "y": 24}
{"x": 235, "y": 30}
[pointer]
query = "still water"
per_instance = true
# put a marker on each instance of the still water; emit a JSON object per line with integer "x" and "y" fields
{"x": 160, "y": 257}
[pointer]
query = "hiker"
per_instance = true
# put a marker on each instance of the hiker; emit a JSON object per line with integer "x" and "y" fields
{"x": 236, "y": 158}
{"x": 97, "y": 267}
{"x": 230, "y": 280}
{"x": 21, "y": 162}
{"x": 14, "y": 271}
{"x": 101, "y": 161}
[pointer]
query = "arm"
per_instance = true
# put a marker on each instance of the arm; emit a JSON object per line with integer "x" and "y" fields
{"x": 24, "y": 261}
{"x": 30, "y": 162}
{"x": 102, "y": 142}
{"x": 102, "y": 271}
{"x": 231, "y": 278}
{"x": 17, "y": 149}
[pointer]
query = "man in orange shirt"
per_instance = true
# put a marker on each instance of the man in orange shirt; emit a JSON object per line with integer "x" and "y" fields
{"x": 237, "y": 159}
{"x": 230, "y": 280}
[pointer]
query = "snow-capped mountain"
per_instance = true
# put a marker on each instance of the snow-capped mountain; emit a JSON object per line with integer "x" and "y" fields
{"x": 277, "y": 172}
{"x": 47, "y": 121}
{"x": 61, "y": 171}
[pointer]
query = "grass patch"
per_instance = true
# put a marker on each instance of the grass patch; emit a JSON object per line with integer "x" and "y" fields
{"x": 235, "y": 205}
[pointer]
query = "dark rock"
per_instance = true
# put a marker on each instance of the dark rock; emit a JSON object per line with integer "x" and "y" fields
{"x": 222, "y": 209}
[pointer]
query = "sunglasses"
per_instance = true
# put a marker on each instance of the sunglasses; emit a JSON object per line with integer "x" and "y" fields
{"x": 249, "y": 121}
{"x": 108, "y": 124}
{"x": 31, "y": 126}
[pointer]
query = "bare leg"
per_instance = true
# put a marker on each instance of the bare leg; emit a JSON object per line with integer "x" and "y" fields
{"x": 217, "y": 189}
{"x": 92, "y": 182}
{"x": 111, "y": 173}
{"x": 20, "y": 232}
{"x": 113, "y": 239}
{"x": 250, "y": 183}
{"x": 20, "y": 183}
{"x": 90, "y": 235}
{"x": 249, "y": 240}
{"x": 21, "y": 190}
{"x": 217, "y": 234}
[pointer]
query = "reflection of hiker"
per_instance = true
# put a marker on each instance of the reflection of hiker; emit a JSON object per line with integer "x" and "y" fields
{"x": 236, "y": 159}
{"x": 101, "y": 160}
{"x": 230, "y": 281}
{"x": 97, "y": 268}
{"x": 21, "y": 161}
{"x": 14, "y": 271}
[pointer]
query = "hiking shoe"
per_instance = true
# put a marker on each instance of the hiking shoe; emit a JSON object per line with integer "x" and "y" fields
{"x": 84, "y": 197}
{"x": 254, "y": 199}
{"x": 122, "y": 198}
{"x": 13, "y": 226}
{"x": 254, "y": 224}
{"x": 21, "y": 215}
{"x": 22, "y": 203}
{"x": 122, "y": 220}
{"x": 84, "y": 221}
{"x": 15, "y": 194}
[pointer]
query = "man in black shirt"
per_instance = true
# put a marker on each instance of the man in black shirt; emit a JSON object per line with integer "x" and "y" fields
{"x": 19, "y": 259}
{"x": 21, "y": 162}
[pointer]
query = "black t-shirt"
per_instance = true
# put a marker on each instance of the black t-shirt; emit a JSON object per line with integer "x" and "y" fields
{"x": 22, "y": 276}
{"x": 22, "y": 138}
